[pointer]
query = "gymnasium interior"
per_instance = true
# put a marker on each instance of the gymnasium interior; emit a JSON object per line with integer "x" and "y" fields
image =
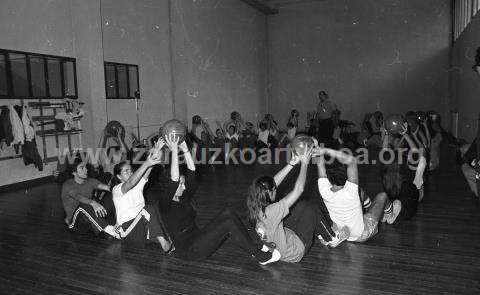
{"x": 120, "y": 77}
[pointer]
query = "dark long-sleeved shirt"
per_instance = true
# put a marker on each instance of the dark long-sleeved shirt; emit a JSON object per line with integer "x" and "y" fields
{"x": 179, "y": 217}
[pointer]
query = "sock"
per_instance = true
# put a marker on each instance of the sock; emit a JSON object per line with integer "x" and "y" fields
{"x": 389, "y": 209}
{"x": 367, "y": 203}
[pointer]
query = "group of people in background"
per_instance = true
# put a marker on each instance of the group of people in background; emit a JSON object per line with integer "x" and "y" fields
{"x": 154, "y": 203}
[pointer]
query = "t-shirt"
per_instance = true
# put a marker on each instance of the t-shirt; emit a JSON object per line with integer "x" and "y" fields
{"x": 270, "y": 229}
{"x": 128, "y": 205}
{"x": 71, "y": 188}
{"x": 263, "y": 136}
{"x": 325, "y": 109}
{"x": 344, "y": 206}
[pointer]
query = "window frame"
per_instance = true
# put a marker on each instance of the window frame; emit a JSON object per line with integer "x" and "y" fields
{"x": 44, "y": 57}
{"x": 117, "y": 88}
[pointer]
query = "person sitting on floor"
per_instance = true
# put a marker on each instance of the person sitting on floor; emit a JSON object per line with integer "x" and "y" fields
{"x": 294, "y": 115}
{"x": 263, "y": 136}
{"x": 175, "y": 199}
{"x": 273, "y": 130}
{"x": 82, "y": 211}
{"x": 471, "y": 165}
{"x": 339, "y": 189}
{"x": 293, "y": 235}
{"x": 232, "y": 136}
{"x": 289, "y": 135}
{"x": 136, "y": 222}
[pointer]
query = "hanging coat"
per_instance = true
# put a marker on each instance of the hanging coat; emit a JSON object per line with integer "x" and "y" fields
{"x": 28, "y": 126}
{"x": 17, "y": 127}
{"x": 30, "y": 154}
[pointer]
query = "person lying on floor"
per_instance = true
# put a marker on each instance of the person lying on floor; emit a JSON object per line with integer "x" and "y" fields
{"x": 137, "y": 223}
{"x": 176, "y": 206}
{"x": 339, "y": 189}
{"x": 82, "y": 211}
{"x": 291, "y": 226}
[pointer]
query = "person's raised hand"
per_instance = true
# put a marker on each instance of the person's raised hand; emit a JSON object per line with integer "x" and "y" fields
{"x": 404, "y": 128}
{"x": 318, "y": 152}
{"x": 305, "y": 158}
{"x": 154, "y": 157}
{"x": 183, "y": 147}
{"x": 172, "y": 142}
{"x": 294, "y": 160}
{"x": 160, "y": 143}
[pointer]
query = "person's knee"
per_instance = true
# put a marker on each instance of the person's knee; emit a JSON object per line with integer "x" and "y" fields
{"x": 381, "y": 197}
{"x": 87, "y": 208}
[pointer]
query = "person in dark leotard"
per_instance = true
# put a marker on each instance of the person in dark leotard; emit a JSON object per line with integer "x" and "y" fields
{"x": 176, "y": 197}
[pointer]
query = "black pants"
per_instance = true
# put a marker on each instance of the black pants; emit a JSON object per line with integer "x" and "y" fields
{"x": 137, "y": 238}
{"x": 325, "y": 131}
{"x": 307, "y": 220}
{"x": 201, "y": 243}
{"x": 84, "y": 219}
{"x": 409, "y": 198}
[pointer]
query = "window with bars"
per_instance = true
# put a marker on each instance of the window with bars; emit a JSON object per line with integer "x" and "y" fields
{"x": 28, "y": 75}
{"x": 463, "y": 12}
{"x": 121, "y": 81}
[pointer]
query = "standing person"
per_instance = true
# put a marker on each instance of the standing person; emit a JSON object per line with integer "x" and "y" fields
{"x": 82, "y": 212}
{"x": 293, "y": 235}
{"x": 197, "y": 128}
{"x": 471, "y": 163}
{"x": 136, "y": 222}
{"x": 435, "y": 130}
{"x": 325, "y": 110}
{"x": 176, "y": 206}
{"x": 339, "y": 189}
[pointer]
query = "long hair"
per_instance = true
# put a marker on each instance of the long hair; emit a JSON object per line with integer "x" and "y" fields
{"x": 392, "y": 179}
{"x": 259, "y": 197}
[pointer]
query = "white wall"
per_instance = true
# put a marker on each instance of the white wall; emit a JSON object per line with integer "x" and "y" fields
{"x": 368, "y": 55}
{"x": 33, "y": 26}
{"x": 220, "y": 59}
{"x": 466, "y": 83}
{"x": 218, "y": 51}
{"x": 136, "y": 32}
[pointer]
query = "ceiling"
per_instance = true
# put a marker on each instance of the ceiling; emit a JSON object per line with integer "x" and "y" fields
{"x": 273, "y": 6}
{"x": 282, "y": 3}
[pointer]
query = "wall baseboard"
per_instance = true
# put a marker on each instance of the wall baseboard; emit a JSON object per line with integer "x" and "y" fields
{"x": 26, "y": 184}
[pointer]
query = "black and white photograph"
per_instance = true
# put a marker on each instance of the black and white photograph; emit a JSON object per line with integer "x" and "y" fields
{"x": 239, "y": 147}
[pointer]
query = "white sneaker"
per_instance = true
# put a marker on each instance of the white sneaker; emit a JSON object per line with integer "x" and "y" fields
{"x": 109, "y": 229}
{"x": 339, "y": 237}
{"x": 397, "y": 207}
{"x": 275, "y": 257}
{"x": 322, "y": 241}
